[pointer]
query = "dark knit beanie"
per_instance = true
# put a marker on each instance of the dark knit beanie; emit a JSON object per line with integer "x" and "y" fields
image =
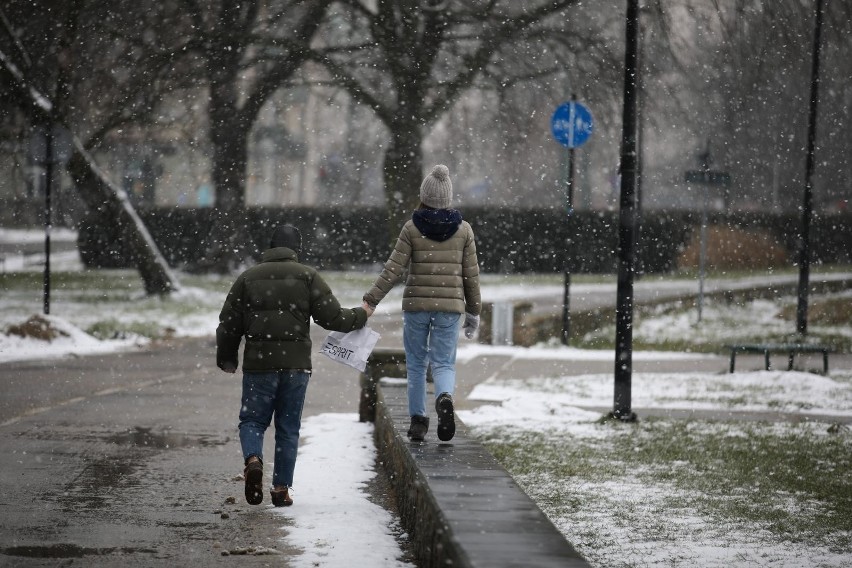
{"x": 436, "y": 191}
{"x": 286, "y": 236}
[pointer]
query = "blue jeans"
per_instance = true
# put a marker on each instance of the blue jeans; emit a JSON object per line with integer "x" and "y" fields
{"x": 429, "y": 338}
{"x": 281, "y": 393}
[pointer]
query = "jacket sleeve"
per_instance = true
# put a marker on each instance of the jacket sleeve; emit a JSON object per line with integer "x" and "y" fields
{"x": 393, "y": 270}
{"x": 470, "y": 276}
{"x": 231, "y": 327}
{"x": 326, "y": 310}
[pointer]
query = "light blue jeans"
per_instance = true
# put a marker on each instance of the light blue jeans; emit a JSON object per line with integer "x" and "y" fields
{"x": 429, "y": 338}
{"x": 278, "y": 393}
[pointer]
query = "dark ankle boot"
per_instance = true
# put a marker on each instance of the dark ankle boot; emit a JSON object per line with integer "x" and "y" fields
{"x": 446, "y": 417}
{"x": 419, "y": 427}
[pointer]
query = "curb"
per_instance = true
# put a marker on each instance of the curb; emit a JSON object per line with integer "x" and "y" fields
{"x": 459, "y": 506}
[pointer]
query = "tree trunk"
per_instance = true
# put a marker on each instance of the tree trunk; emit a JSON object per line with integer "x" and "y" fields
{"x": 99, "y": 194}
{"x": 112, "y": 206}
{"x": 403, "y": 170}
{"x": 228, "y": 240}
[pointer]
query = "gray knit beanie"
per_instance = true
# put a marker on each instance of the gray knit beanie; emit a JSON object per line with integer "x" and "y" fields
{"x": 437, "y": 190}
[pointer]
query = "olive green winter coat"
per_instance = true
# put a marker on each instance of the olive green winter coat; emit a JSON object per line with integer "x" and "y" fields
{"x": 443, "y": 276}
{"x": 271, "y": 304}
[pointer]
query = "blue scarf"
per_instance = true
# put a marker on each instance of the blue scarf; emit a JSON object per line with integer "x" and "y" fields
{"x": 437, "y": 224}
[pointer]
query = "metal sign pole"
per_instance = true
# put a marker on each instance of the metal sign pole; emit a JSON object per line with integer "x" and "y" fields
{"x": 571, "y": 124}
{"x": 569, "y": 202}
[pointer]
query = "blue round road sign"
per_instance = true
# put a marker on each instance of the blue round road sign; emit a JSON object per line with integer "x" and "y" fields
{"x": 571, "y": 124}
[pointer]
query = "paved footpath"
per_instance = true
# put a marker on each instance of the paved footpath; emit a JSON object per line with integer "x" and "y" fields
{"x": 128, "y": 459}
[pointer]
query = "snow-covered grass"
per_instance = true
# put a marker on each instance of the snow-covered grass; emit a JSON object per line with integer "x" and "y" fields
{"x": 676, "y": 326}
{"x": 708, "y": 492}
{"x": 109, "y": 309}
{"x": 724, "y": 322}
{"x": 762, "y": 391}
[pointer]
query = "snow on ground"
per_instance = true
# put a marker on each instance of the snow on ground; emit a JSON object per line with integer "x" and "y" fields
{"x": 190, "y": 312}
{"x": 70, "y": 341}
{"x": 332, "y": 513}
{"x": 471, "y": 351}
{"x": 655, "y": 534}
{"x": 645, "y": 520}
{"x": 22, "y": 236}
{"x": 63, "y": 260}
{"x": 762, "y": 391}
{"x": 724, "y": 323}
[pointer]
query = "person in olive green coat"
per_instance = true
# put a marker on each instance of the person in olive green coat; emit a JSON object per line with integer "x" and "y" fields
{"x": 438, "y": 250}
{"x": 271, "y": 305}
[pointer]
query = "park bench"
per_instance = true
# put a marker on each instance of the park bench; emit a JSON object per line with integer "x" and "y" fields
{"x": 791, "y": 349}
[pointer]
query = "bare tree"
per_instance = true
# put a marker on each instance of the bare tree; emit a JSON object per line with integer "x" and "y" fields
{"x": 415, "y": 59}
{"x": 52, "y": 83}
{"x": 245, "y": 52}
{"x": 746, "y": 68}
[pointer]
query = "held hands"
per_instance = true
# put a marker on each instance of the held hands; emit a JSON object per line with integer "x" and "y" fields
{"x": 367, "y": 308}
{"x": 471, "y": 323}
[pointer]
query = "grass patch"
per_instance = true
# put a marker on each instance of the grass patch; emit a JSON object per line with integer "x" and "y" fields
{"x": 823, "y": 311}
{"x": 115, "y": 329}
{"x": 793, "y": 480}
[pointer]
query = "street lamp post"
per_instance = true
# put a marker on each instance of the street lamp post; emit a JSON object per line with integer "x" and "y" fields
{"x": 627, "y": 224}
{"x": 807, "y": 205}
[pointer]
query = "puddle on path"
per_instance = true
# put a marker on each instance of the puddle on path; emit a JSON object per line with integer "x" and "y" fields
{"x": 68, "y": 551}
{"x": 146, "y": 438}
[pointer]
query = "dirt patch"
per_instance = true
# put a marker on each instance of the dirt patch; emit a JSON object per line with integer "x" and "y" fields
{"x": 36, "y": 327}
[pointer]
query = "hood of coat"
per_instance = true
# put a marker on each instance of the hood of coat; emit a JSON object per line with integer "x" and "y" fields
{"x": 437, "y": 224}
{"x": 279, "y": 254}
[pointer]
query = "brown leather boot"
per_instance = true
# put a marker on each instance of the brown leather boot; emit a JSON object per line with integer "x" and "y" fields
{"x": 254, "y": 481}
{"x": 281, "y": 496}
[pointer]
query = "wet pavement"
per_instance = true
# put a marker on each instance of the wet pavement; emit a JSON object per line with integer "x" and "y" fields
{"x": 133, "y": 459}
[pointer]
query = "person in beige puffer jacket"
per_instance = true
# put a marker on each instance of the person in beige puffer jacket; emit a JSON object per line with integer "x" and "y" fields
{"x": 439, "y": 251}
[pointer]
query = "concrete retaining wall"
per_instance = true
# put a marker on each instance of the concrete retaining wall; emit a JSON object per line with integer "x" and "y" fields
{"x": 459, "y": 506}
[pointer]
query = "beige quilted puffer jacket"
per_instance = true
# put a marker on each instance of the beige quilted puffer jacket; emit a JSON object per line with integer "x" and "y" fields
{"x": 443, "y": 275}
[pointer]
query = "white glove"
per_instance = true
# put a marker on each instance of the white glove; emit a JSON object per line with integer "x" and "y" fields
{"x": 471, "y": 322}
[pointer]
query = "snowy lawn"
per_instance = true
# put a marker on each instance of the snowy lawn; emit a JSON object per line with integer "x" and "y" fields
{"x": 667, "y": 492}
{"x": 676, "y": 326}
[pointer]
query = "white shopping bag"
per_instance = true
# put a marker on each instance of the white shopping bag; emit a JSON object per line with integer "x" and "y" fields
{"x": 351, "y": 348}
